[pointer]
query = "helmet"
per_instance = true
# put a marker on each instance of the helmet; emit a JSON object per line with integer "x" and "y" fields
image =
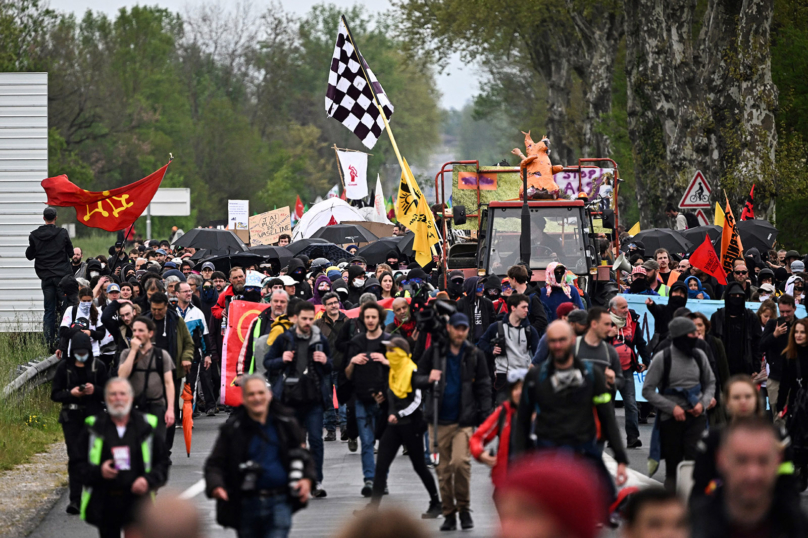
{"x": 319, "y": 264}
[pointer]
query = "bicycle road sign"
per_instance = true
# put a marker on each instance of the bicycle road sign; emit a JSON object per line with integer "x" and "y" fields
{"x": 697, "y": 194}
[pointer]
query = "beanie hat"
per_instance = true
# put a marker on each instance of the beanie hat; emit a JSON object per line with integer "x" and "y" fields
{"x": 681, "y": 326}
{"x": 567, "y": 489}
{"x": 564, "y": 309}
{"x": 577, "y": 316}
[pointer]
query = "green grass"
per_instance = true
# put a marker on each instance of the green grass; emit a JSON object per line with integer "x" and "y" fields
{"x": 96, "y": 244}
{"x": 29, "y": 420}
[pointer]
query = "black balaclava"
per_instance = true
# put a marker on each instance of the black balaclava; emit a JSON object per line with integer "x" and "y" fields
{"x": 735, "y": 299}
{"x": 685, "y": 343}
{"x": 297, "y": 269}
{"x": 455, "y": 285}
{"x": 493, "y": 287}
{"x": 638, "y": 285}
{"x": 675, "y": 303}
{"x": 251, "y": 294}
{"x": 392, "y": 254}
{"x": 559, "y": 272}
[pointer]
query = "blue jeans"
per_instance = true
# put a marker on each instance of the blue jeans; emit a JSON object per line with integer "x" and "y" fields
{"x": 334, "y": 416}
{"x": 629, "y": 395}
{"x": 366, "y": 415}
{"x": 52, "y": 296}
{"x": 265, "y": 517}
{"x": 311, "y": 420}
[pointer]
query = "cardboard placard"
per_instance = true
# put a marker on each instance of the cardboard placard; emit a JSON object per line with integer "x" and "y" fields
{"x": 266, "y": 228}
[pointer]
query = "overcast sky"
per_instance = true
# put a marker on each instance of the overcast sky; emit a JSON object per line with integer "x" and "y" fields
{"x": 455, "y": 83}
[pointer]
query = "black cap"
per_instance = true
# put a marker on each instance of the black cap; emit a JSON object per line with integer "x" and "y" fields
{"x": 49, "y": 213}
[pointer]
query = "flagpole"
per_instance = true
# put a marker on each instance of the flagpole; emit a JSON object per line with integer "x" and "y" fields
{"x": 339, "y": 167}
{"x": 376, "y": 101}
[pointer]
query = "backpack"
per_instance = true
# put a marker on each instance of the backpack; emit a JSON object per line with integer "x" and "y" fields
{"x": 141, "y": 403}
{"x": 692, "y": 220}
{"x": 666, "y": 369}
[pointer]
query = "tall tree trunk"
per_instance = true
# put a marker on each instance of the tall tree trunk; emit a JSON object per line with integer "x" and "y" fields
{"x": 600, "y": 28}
{"x": 698, "y": 104}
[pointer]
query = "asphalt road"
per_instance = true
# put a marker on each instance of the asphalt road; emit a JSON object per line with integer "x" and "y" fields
{"x": 343, "y": 482}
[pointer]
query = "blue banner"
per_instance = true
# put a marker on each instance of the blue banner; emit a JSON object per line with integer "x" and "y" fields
{"x": 708, "y": 308}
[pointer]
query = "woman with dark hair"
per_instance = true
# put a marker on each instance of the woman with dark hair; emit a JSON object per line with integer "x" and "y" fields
{"x": 387, "y": 284}
{"x": 795, "y": 377}
{"x": 741, "y": 400}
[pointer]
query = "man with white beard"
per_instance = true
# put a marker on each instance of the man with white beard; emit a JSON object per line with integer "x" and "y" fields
{"x": 123, "y": 461}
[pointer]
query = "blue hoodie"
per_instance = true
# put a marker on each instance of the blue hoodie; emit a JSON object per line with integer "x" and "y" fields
{"x": 693, "y": 294}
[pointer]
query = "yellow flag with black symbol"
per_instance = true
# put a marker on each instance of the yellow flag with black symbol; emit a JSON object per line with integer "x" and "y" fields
{"x": 412, "y": 210}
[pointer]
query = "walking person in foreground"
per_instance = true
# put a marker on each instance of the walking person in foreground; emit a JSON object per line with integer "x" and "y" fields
{"x": 122, "y": 461}
{"x": 257, "y": 472}
{"x": 464, "y": 397}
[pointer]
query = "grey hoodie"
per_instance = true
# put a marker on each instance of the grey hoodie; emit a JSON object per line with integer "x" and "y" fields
{"x": 684, "y": 375}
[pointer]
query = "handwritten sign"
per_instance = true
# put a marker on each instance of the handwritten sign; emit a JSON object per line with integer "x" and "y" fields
{"x": 267, "y": 227}
{"x": 590, "y": 178}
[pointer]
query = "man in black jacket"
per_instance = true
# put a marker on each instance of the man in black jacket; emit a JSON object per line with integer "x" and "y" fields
{"x": 117, "y": 319}
{"x": 738, "y": 328}
{"x": 50, "y": 248}
{"x": 257, "y": 472}
{"x": 563, "y": 392}
{"x": 297, "y": 270}
{"x": 478, "y": 308}
{"x": 79, "y": 386}
{"x": 463, "y": 402}
{"x": 330, "y": 325}
{"x": 773, "y": 342}
{"x": 122, "y": 461}
{"x": 748, "y": 503}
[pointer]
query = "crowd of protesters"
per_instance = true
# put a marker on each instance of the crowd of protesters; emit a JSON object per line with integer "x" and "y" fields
{"x": 529, "y": 363}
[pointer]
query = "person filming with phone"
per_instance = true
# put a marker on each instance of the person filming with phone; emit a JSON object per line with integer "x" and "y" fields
{"x": 122, "y": 461}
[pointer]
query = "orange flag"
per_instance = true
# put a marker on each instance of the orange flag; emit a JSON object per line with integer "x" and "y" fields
{"x": 731, "y": 247}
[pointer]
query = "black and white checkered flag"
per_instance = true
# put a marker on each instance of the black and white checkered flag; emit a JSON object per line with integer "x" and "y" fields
{"x": 349, "y": 99}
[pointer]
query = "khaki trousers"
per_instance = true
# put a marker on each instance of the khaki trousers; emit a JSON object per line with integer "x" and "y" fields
{"x": 773, "y": 391}
{"x": 454, "y": 468}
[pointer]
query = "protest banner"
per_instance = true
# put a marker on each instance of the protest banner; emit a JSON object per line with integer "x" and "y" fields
{"x": 240, "y": 315}
{"x": 266, "y": 228}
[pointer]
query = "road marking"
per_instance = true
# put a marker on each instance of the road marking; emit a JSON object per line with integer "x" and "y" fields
{"x": 194, "y": 490}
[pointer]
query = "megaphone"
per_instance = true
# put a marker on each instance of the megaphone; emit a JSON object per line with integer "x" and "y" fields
{"x": 621, "y": 264}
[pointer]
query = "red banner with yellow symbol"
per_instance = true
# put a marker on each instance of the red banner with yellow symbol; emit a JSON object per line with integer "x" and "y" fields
{"x": 110, "y": 210}
{"x": 240, "y": 315}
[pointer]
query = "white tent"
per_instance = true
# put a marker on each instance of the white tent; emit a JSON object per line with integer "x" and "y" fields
{"x": 370, "y": 215}
{"x": 320, "y": 214}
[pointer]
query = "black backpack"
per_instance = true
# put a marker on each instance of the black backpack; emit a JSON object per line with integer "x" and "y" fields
{"x": 666, "y": 368}
{"x": 300, "y": 388}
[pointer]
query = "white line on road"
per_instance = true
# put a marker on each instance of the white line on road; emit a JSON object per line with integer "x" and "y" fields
{"x": 194, "y": 490}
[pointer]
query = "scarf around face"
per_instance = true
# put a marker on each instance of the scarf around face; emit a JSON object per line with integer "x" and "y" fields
{"x": 401, "y": 369}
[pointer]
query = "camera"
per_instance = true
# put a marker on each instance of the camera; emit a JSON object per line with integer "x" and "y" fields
{"x": 498, "y": 341}
{"x": 250, "y": 471}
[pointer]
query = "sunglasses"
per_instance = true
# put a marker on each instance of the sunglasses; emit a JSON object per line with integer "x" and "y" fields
{"x": 741, "y": 272}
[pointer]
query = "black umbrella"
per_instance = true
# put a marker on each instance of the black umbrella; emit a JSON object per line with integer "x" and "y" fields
{"x": 696, "y": 235}
{"x": 345, "y": 233}
{"x": 663, "y": 238}
{"x": 757, "y": 233}
{"x": 281, "y": 254}
{"x": 325, "y": 250}
{"x": 376, "y": 252}
{"x": 211, "y": 239}
{"x": 405, "y": 245}
{"x": 224, "y": 262}
{"x": 297, "y": 247}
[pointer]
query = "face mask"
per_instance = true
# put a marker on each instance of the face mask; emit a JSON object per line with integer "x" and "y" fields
{"x": 325, "y": 287}
{"x": 84, "y": 308}
{"x": 736, "y": 303}
{"x": 685, "y": 343}
{"x": 493, "y": 292}
{"x": 675, "y": 302}
{"x": 359, "y": 282}
{"x": 93, "y": 274}
{"x": 639, "y": 285}
{"x": 764, "y": 298}
{"x": 252, "y": 295}
{"x": 559, "y": 275}
{"x": 480, "y": 288}
{"x": 82, "y": 357}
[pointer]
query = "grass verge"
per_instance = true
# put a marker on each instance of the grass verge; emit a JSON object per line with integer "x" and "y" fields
{"x": 96, "y": 244}
{"x": 29, "y": 420}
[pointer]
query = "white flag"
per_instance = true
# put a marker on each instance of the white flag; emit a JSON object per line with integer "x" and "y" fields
{"x": 333, "y": 193}
{"x": 354, "y": 171}
{"x": 378, "y": 200}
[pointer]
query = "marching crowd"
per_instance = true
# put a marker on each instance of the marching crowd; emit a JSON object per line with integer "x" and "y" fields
{"x": 522, "y": 377}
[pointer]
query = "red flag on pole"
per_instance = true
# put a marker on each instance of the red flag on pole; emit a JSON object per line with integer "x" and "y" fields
{"x": 343, "y": 196}
{"x": 332, "y": 221}
{"x": 298, "y": 207}
{"x": 110, "y": 210}
{"x": 706, "y": 259}
{"x": 748, "y": 212}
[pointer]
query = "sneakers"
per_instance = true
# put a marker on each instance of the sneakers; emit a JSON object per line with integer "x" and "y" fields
{"x": 331, "y": 435}
{"x": 434, "y": 510}
{"x": 73, "y": 509}
{"x": 319, "y": 492}
{"x": 449, "y": 523}
{"x": 353, "y": 445}
{"x": 636, "y": 443}
{"x": 212, "y": 412}
{"x": 465, "y": 520}
{"x": 367, "y": 489}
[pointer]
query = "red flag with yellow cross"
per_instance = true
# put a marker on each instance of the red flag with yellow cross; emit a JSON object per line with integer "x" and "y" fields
{"x": 110, "y": 210}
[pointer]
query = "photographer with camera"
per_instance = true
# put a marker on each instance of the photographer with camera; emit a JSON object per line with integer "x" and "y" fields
{"x": 461, "y": 395}
{"x": 511, "y": 343}
{"x": 78, "y": 385}
{"x": 150, "y": 371}
{"x": 303, "y": 357}
{"x": 257, "y": 472}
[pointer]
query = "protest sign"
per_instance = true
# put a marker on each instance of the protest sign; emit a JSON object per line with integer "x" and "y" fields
{"x": 267, "y": 227}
